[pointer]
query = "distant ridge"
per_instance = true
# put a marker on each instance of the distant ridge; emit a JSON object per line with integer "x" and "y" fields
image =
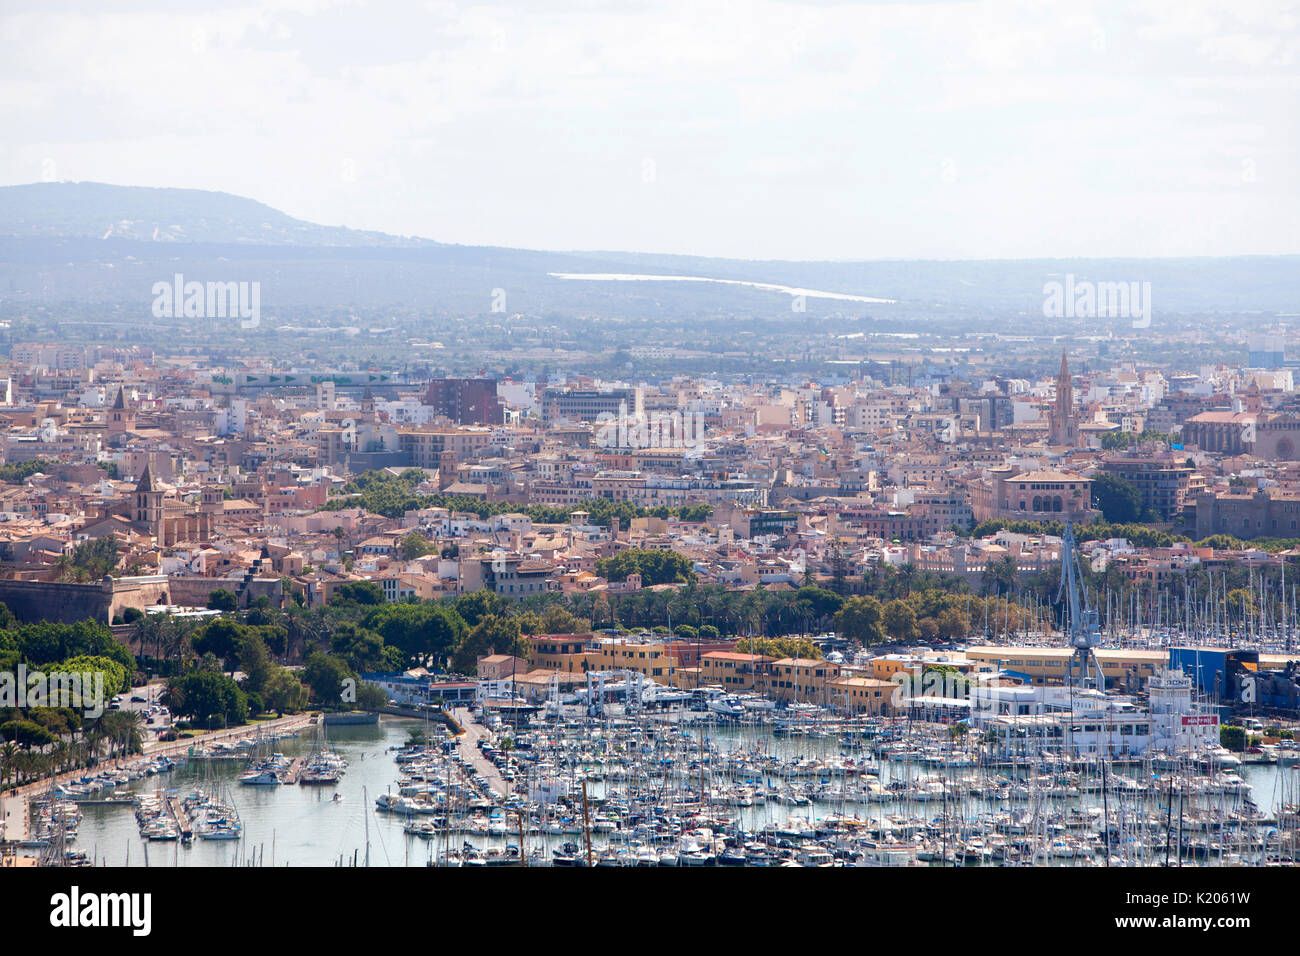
{"x": 104, "y": 211}
{"x": 99, "y": 243}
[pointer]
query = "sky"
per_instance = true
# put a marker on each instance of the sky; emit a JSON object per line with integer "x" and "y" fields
{"x": 737, "y": 128}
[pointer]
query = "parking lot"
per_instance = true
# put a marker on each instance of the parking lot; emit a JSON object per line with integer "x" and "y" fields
{"x": 155, "y": 719}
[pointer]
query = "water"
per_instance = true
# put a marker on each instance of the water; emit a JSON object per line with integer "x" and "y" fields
{"x": 304, "y": 826}
{"x": 290, "y": 825}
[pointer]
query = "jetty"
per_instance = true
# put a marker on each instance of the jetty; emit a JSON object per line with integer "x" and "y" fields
{"x": 179, "y": 815}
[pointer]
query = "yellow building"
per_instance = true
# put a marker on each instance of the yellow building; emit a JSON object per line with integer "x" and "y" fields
{"x": 862, "y": 695}
{"x": 733, "y": 671}
{"x": 653, "y": 659}
{"x": 798, "y": 679}
{"x": 565, "y": 653}
{"x": 883, "y": 668}
{"x": 1046, "y": 665}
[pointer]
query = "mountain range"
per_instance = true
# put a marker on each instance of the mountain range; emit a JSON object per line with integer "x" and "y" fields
{"x": 94, "y": 243}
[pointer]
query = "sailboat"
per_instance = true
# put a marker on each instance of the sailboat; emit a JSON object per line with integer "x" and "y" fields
{"x": 322, "y": 766}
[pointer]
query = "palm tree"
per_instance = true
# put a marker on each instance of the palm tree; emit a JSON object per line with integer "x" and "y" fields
{"x": 93, "y": 740}
{"x": 61, "y": 755}
{"x": 63, "y": 569}
{"x": 148, "y": 628}
{"x": 122, "y": 729}
{"x": 8, "y": 762}
{"x": 177, "y": 637}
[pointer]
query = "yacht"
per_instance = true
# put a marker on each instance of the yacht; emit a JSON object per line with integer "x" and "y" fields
{"x": 727, "y": 706}
{"x": 262, "y": 778}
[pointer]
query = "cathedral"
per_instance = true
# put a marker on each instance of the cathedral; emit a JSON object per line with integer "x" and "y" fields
{"x": 1062, "y": 426}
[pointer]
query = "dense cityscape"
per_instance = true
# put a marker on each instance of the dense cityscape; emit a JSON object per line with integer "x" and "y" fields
{"x": 855, "y": 584}
{"x": 460, "y": 438}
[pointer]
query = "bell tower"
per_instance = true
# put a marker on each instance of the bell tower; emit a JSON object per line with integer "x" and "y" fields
{"x": 1062, "y": 428}
{"x": 121, "y": 417}
{"x": 148, "y": 508}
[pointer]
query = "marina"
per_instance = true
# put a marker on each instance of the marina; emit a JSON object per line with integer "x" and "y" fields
{"x": 684, "y": 788}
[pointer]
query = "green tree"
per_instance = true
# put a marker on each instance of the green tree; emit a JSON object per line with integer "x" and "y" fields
{"x": 999, "y": 576}
{"x": 26, "y": 734}
{"x": 424, "y": 634}
{"x": 1118, "y": 500}
{"x": 861, "y": 620}
{"x": 1230, "y": 736}
{"x": 353, "y": 593}
{"x": 360, "y": 647}
{"x": 492, "y": 635}
{"x": 476, "y": 605}
{"x": 115, "y": 675}
{"x": 325, "y": 674}
{"x": 414, "y": 545}
{"x": 899, "y": 620}
{"x": 779, "y": 647}
{"x": 254, "y": 660}
{"x": 223, "y": 600}
{"x": 284, "y": 692}
{"x": 655, "y": 565}
{"x": 223, "y": 639}
{"x": 207, "y": 699}
{"x": 371, "y": 697}
{"x": 824, "y": 603}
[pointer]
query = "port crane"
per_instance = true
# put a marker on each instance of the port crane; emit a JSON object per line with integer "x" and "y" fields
{"x": 1082, "y": 625}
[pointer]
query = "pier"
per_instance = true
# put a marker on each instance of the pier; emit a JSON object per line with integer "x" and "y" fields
{"x": 182, "y": 819}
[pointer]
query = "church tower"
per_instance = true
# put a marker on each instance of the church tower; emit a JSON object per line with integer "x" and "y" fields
{"x": 212, "y": 498}
{"x": 446, "y": 469}
{"x": 1062, "y": 428}
{"x": 121, "y": 417}
{"x": 148, "y": 510}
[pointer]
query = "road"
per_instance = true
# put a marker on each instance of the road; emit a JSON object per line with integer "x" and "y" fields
{"x": 152, "y": 726}
{"x": 468, "y": 744}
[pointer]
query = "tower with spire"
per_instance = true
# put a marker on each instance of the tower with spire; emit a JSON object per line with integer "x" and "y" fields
{"x": 121, "y": 417}
{"x": 1062, "y": 428}
{"x": 148, "y": 510}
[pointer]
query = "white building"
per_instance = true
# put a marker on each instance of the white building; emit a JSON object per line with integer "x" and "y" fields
{"x": 1026, "y": 720}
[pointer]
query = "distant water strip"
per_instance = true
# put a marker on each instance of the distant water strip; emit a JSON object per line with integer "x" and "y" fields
{"x": 765, "y": 286}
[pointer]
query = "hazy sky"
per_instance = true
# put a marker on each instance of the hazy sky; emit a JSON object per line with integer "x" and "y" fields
{"x": 748, "y": 129}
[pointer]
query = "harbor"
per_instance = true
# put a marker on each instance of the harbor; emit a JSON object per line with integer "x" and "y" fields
{"x": 677, "y": 788}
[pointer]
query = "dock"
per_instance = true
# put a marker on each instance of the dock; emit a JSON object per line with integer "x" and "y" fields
{"x": 179, "y": 815}
{"x": 291, "y": 775}
{"x": 103, "y": 802}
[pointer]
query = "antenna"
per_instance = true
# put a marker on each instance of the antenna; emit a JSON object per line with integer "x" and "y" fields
{"x": 1082, "y": 626}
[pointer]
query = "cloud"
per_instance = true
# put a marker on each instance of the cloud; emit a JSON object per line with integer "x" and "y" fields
{"x": 836, "y": 130}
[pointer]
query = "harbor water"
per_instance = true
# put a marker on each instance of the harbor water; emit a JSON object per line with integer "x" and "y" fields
{"x": 338, "y": 824}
